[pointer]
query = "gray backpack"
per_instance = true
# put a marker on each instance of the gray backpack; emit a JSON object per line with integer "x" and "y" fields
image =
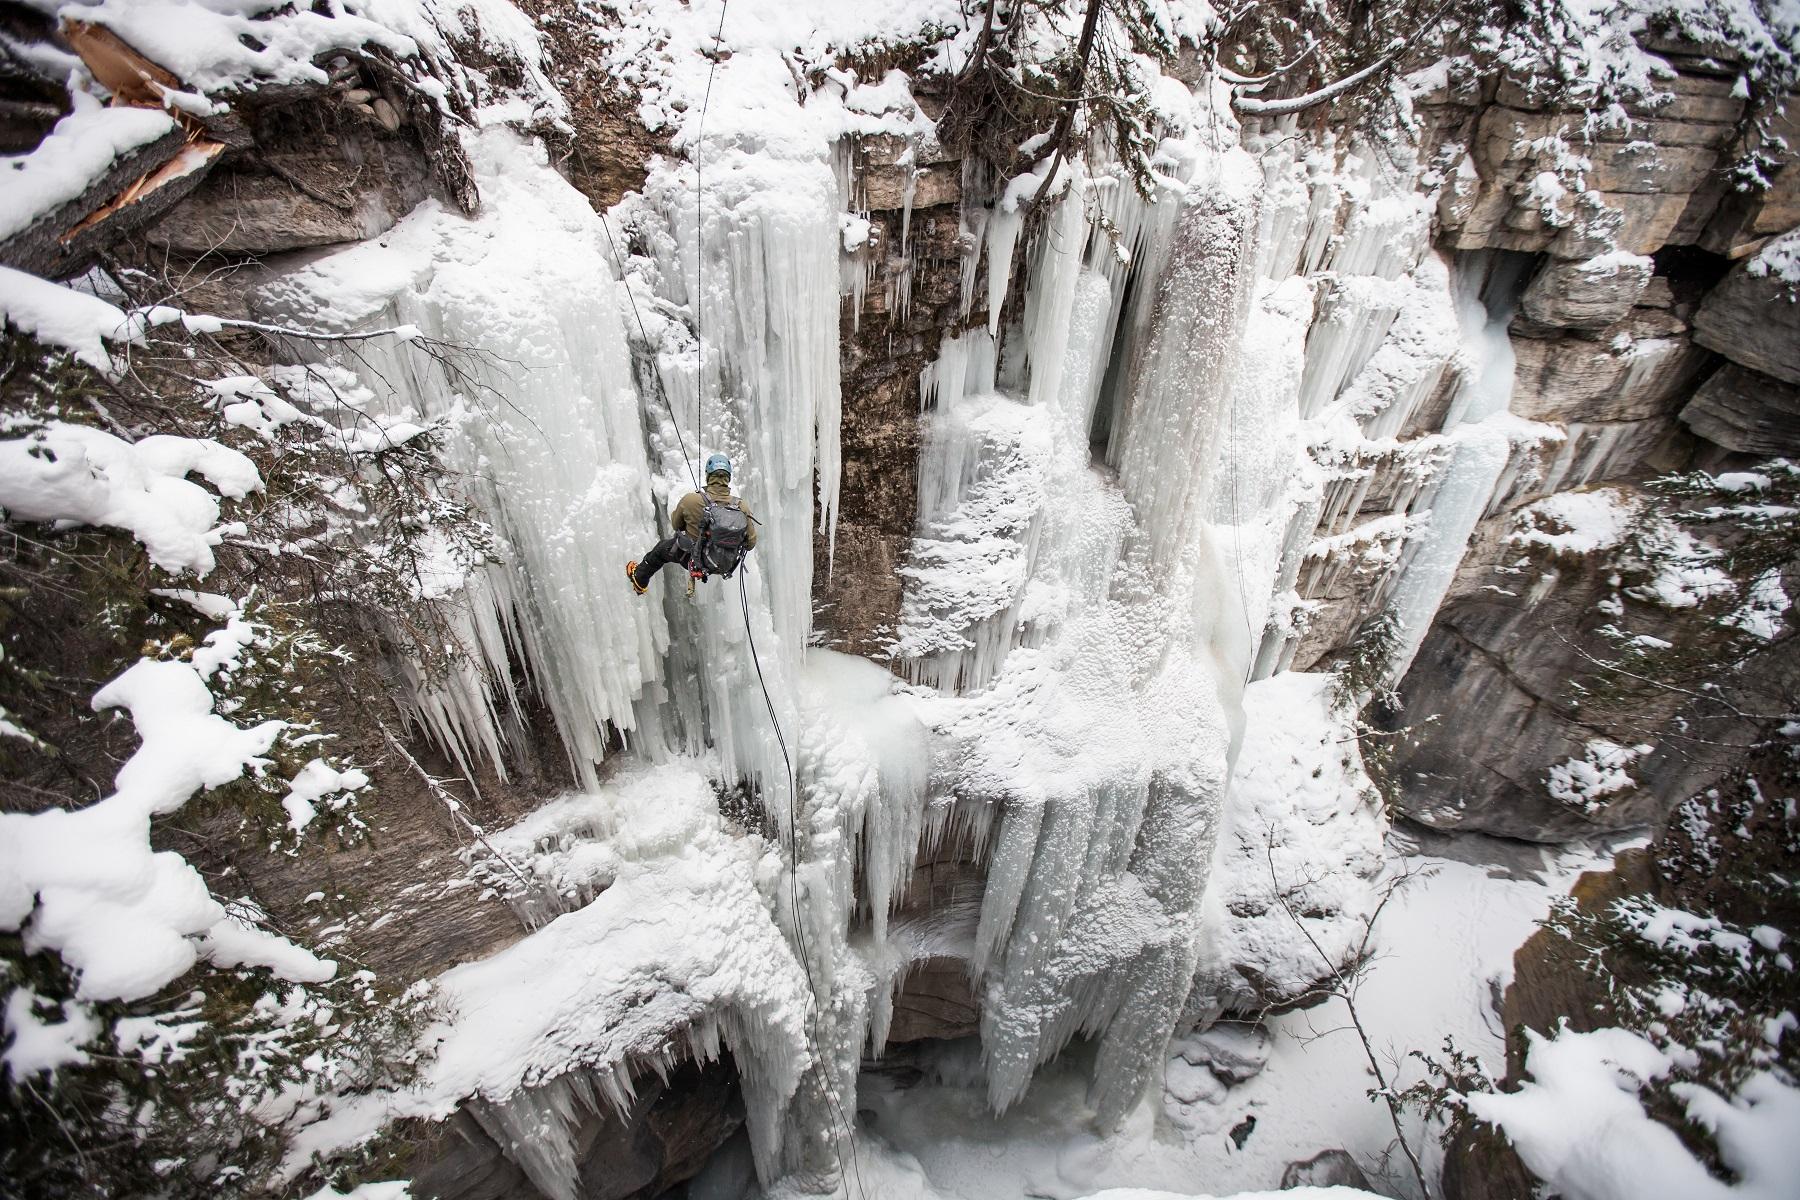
{"x": 724, "y": 539}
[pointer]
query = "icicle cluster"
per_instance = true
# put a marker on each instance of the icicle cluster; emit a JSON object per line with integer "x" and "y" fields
{"x": 534, "y": 388}
{"x": 1096, "y": 547}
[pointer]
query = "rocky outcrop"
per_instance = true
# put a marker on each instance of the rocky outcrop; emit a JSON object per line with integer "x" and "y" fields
{"x": 1515, "y": 147}
{"x": 1642, "y": 372}
{"x": 1745, "y": 411}
{"x": 1754, "y": 320}
{"x": 1507, "y": 689}
{"x": 936, "y": 1001}
{"x": 1590, "y": 294}
{"x": 604, "y": 146}
{"x": 1646, "y": 184}
{"x": 318, "y": 174}
{"x": 912, "y": 255}
{"x": 253, "y": 169}
{"x": 1617, "y": 343}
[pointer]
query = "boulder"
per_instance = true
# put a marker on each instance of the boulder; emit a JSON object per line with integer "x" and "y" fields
{"x": 1327, "y": 1168}
{"x": 1626, "y": 378}
{"x": 292, "y": 192}
{"x": 936, "y": 1001}
{"x": 1591, "y": 294}
{"x": 1232, "y": 1050}
{"x": 1754, "y": 320}
{"x": 1191, "y": 1084}
{"x": 1746, "y": 411}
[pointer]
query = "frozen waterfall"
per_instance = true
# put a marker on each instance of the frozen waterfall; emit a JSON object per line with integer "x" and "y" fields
{"x": 1130, "y": 479}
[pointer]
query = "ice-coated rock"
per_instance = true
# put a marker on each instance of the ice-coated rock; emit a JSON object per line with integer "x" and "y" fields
{"x": 1192, "y": 1084}
{"x": 1232, "y": 1050}
{"x": 1327, "y": 1168}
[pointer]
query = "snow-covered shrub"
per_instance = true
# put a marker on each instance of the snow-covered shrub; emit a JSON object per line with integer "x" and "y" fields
{"x": 1039, "y": 79}
{"x": 1592, "y": 58}
{"x": 206, "y": 567}
{"x": 1678, "y": 1063}
{"x": 1696, "y": 572}
{"x": 1603, "y": 770}
{"x": 187, "y": 1093}
{"x": 1366, "y": 667}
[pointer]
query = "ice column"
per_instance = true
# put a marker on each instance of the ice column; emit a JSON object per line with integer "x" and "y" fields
{"x": 1171, "y": 434}
{"x": 1126, "y": 611}
{"x": 751, "y": 264}
{"x": 1487, "y": 288}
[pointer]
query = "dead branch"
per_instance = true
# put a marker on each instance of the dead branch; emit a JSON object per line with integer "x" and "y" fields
{"x": 450, "y": 802}
{"x": 1346, "y": 991}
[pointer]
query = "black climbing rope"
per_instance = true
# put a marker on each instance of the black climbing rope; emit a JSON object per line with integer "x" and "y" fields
{"x": 674, "y": 422}
{"x": 812, "y": 986}
{"x": 700, "y": 233}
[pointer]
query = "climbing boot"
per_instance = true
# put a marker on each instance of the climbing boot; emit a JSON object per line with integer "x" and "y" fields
{"x": 631, "y": 574}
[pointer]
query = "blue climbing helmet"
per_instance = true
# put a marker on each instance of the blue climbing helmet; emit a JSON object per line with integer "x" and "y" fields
{"x": 717, "y": 462}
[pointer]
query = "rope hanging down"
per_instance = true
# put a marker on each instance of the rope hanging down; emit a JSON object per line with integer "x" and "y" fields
{"x": 700, "y": 236}
{"x": 812, "y": 986}
{"x": 843, "y": 1133}
{"x": 655, "y": 378}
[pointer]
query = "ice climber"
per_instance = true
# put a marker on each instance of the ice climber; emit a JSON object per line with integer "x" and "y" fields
{"x": 713, "y": 532}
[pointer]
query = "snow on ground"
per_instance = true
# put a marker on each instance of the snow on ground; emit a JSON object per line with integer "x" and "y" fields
{"x": 1302, "y": 823}
{"x": 1444, "y": 942}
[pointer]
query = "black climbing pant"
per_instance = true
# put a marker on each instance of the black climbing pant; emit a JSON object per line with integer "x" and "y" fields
{"x": 677, "y": 550}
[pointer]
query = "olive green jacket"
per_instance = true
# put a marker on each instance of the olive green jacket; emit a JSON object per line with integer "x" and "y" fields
{"x": 686, "y": 517}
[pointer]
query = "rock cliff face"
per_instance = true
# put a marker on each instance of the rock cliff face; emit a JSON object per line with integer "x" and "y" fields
{"x": 1647, "y": 341}
{"x": 907, "y": 301}
{"x": 1718, "y": 858}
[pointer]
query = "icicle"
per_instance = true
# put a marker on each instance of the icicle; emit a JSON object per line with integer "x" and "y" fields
{"x": 1003, "y": 228}
{"x": 1177, "y": 401}
{"x": 1486, "y": 291}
